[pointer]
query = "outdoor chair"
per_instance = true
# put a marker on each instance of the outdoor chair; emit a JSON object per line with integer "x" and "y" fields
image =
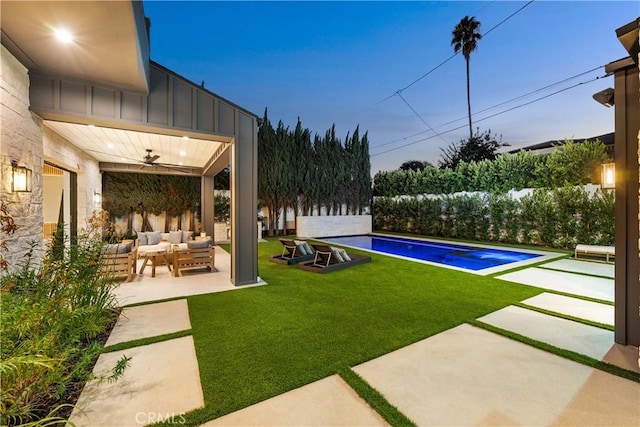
{"x": 293, "y": 252}
{"x": 328, "y": 259}
{"x": 119, "y": 259}
{"x": 198, "y": 255}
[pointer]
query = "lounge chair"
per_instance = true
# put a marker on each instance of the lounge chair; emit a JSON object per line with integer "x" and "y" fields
{"x": 293, "y": 252}
{"x": 606, "y": 251}
{"x": 328, "y": 259}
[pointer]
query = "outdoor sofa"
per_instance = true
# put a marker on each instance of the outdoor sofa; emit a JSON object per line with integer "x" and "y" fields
{"x": 607, "y": 251}
{"x": 327, "y": 259}
{"x": 153, "y": 241}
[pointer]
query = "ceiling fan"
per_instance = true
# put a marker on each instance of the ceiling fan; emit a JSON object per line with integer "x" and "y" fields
{"x": 150, "y": 159}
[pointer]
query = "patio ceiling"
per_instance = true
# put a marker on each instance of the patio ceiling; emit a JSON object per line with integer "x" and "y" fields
{"x": 128, "y": 147}
{"x": 109, "y": 41}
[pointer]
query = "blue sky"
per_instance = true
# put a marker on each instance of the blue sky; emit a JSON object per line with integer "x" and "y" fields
{"x": 342, "y": 63}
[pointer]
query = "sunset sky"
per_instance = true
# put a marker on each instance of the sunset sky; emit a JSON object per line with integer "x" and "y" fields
{"x": 344, "y": 63}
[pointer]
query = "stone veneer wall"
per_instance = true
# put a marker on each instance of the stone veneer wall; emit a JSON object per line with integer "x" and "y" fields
{"x": 24, "y": 138}
{"x": 20, "y": 140}
{"x": 332, "y": 225}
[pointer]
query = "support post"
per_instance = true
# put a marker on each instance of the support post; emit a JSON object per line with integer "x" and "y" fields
{"x": 244, "y": 199}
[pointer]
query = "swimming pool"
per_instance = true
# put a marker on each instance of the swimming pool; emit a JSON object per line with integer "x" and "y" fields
{"x": 476, "y": 258}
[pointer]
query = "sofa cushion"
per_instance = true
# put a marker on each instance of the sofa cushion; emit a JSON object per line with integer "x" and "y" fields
{"x": 142, "y": 238}
{"x": 175, "y": 237}
{"x": 154, "y": 237}
{"x": 162, "y": 246}
{"x": 186, "y": 235}
{"x": 117, "y": 248}
{"x": 199, "y": 244}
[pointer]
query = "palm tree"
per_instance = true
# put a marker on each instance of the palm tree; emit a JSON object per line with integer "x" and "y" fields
{"x": 465, "y": 37}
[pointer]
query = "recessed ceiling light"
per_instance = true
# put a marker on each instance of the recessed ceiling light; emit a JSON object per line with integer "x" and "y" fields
{"x": 183, "y": 153}
{"x": 110, "y": 145}
{"x": 63, "y": 35}
{"x": 91, "y": 126}
{"x": 180, "y": 164}
{"x": 185, "y": 137}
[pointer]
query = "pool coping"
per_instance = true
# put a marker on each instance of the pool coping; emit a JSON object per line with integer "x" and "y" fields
{"x": 544, "y": 256}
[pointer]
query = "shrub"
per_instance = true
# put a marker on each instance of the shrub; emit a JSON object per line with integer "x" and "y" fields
{"x": 556, "y": 218}
{"x": 54, "y": 314}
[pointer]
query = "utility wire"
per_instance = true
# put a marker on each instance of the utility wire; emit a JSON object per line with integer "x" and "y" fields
{"x": 420, "y": 117}
{"x": 494, "y": 106}
{"x": 491, "y": 116}
{"x": 398, "y": 92}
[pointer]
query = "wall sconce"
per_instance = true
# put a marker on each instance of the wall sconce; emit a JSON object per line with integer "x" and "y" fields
{"x": 21, "y": 178}
{"x": 605, "y": 97}
{"x": 97, "y": 198}
{"x": 608, "y": 175}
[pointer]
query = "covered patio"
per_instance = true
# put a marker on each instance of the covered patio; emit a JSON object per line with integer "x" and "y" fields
{"x": 96, "y": 102}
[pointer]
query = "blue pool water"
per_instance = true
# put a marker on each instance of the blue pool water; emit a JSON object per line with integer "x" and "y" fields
{"x": 467, "y": 257}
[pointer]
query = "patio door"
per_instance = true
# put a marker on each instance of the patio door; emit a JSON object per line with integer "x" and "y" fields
{"x": 59, "y": 201}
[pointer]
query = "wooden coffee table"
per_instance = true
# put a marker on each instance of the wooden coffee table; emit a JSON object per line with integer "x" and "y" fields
{"x": 153, "y": 256}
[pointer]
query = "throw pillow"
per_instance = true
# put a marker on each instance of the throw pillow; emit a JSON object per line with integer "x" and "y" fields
{"x": 199, "y": 244}
{"x": 345, "y": 256}
{"x": 308, "y": 248}
{"x": 154, "y": 237}
{"x": 186, "y": 236}
{"x": 164, "y": 237}
{"x": 336, "y": 254}
{"x": 300, "y": 247}
{"x": 117, "y": 248}
{"x": 175, "y": 237}
{"x": 142, "y": 238}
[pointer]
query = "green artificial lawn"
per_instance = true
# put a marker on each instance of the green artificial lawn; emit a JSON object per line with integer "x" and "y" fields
{"x": 256, "y": 343}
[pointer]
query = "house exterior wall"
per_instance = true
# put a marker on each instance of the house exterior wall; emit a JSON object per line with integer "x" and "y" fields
{"x": 20, "y": 140}
{"x": 62, "y": 153}
{"x": 26, "y": 140}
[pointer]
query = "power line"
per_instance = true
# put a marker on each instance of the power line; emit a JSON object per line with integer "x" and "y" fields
{"x": 420, "y": 117}
{"x": 491, "y": 116}
{"x": 494, "y": 106}
{"x": 452, "y": 56}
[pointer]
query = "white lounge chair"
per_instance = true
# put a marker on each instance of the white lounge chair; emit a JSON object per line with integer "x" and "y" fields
{"x": 606, "y": 251}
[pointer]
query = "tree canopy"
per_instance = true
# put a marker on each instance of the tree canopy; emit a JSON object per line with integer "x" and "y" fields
{"x": 312, "y": 175}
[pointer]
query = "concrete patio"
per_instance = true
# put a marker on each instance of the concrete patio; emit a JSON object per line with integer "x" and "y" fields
{"x": 463, "y": 376}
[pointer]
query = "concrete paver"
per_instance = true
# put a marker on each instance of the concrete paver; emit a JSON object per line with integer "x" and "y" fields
{"x": 562, "y": 333}
{"x": 145, "y": 288}
{"x": 584, "y": 267}
{"x": 162, "y": 381}
{"x": 469, "y": 376}
{"x": 328, "y": 402}
{"x": 150, "y": 320}
{"x": 575, "y": 284}
{"x": 575, "y": 307}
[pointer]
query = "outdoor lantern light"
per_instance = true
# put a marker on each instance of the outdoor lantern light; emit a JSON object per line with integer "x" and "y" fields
{"x": 97, "y": 198}
{"x": 605, "y": 97}
{"x": 21, "y": 178}
{"x": 609, "y": 175}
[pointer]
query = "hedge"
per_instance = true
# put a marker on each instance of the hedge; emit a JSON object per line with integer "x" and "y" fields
{"x": 559, "y": 218}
